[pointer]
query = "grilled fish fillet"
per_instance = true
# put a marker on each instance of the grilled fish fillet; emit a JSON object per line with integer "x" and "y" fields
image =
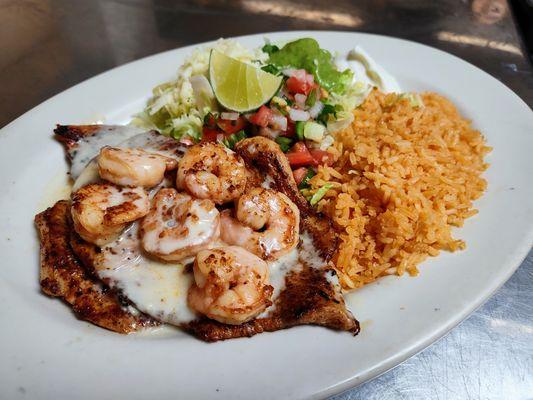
{"x": 83, "y": 142}
{"x": 62, "y": 275}
{"x": 77, "y": 140}
{"x": 310, "y": 296}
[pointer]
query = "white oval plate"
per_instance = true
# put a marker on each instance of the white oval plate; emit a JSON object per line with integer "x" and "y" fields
{"x": 48, "y": 353}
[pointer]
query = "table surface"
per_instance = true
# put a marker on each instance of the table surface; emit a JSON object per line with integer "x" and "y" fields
{"x": 50, "y": 45}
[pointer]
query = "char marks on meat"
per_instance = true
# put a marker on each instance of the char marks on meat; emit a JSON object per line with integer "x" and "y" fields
{"x": 310, "y": 296}
{"x": 308, "y": 299}
{"x": 83, "y": 142}
{"x": 62, "y": 275}
{"x": 70, "y": 135}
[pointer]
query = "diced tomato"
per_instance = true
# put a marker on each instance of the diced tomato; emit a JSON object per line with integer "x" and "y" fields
{"x": 300, "y": 159}
{"x": 289, "y": 96}
{"x": 299, "y": 174}
{"x": 322, "y": 157}
{"x": 231, "y": 126}
{"x": 291, "y": 129}
{"x": 299, "y": 156}
{"x": 261, "y": 117}
{"x": 209, "y": 135}
{"x": 299, "y": 147}
{"x": 299, "y": 74}
{"x": 210, "y": 121}
{"x": 301, "y": 82}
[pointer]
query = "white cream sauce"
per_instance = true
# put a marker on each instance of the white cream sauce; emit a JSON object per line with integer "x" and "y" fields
{"x": 304, "y": 254}
{"x": 367, "y": 70}
{"x": 280, "y": 268}
{"x": 87, "y": 148}
{"x": 83, "y": 165}
{"x": 200, "y": 223}
{"x": 157, "y": 289}
{"x": 160, "y": 289}
{"x": 267, "y": 182}
{"x": 87, "y": 176}
{"x": 154, "y": 142}
{"x": 332, "y": 278}
{"x": 308, "y": 252}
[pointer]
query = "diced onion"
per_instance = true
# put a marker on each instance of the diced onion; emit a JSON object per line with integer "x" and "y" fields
{"x": 269, "y": 133}
{"x": 326, "y": 142}
{"x": 232, "y": 116}
{"x": 316, "y": 109}
{"x": 186, "y": 140}
{"x": 279, "y": 122}
{"x": 300, "y": 75}
{"x": 300, "y": 100}
{"x": 298, "y": 115}
{"x": 288, "y": 71}
{"x": 203, "y": 93}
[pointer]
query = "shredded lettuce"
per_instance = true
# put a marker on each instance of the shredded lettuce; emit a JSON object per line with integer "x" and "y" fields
{"x": 353, "y": 97}
{"x": 173, "y": 108}
{"x": 186, "y": 125}
{"x": 414, "y": 99}
{"x": 306, "y": 54}
{"x": 327, "y": 142}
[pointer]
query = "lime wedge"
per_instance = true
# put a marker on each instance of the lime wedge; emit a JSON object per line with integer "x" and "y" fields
{"x": 239, "y": 86}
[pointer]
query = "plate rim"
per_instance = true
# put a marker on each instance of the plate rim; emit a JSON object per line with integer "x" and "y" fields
{"x": 519, "y": 254}
{"x": 264, "y": 34}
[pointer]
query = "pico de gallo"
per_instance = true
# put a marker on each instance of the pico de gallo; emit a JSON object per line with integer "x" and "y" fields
{"x": 314, "y": 99}
{"x": 296, "y": 117}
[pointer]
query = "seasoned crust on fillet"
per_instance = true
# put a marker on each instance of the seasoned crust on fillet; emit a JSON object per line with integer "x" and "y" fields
{"x": 309, "y": 298}
{"x": 62, "y": 275}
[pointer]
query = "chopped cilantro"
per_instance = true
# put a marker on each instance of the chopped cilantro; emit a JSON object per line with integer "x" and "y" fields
{"x": 304, "y": 184}
{"x": 284, "y": 143}
{"x": 231, "y": 140}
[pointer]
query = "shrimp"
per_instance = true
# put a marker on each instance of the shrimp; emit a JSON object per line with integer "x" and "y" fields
{"x": 266, "y": 155}
{"x": 101, "y": 211}
{"x": 212, "y": 171}
{"x": 231, "y": 285}
{"x": 179, "y": 226}
{"x": 133, "y": 167}
{"x": 266, "y": 223}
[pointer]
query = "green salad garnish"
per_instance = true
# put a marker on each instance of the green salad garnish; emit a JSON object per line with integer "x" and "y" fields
{"x": 306, "y": 54}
